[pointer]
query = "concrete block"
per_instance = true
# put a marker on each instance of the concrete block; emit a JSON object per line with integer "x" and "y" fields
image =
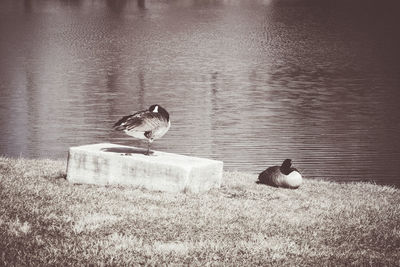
{"x": 107, "y": 163}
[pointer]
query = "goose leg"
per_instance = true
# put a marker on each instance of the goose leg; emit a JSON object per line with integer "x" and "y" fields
{"x": 149, "y": 141}
{"x": 148, "y": 148}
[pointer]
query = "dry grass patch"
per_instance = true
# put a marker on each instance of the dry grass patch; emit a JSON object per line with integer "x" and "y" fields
{"x": 44, "y": 220}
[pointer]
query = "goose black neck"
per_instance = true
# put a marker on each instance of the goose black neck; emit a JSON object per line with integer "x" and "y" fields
{"x": 163, "y": 112}
{"x": 286, "y": 167}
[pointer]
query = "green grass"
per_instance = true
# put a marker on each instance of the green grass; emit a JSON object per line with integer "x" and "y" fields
{"x": 44, "y": 220}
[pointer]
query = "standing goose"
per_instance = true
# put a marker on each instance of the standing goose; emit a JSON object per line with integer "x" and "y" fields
{"x": 148, "y": 124}
{"x": 281, "y": 176}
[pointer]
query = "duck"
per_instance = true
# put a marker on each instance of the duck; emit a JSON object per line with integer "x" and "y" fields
{"x": 150, "y": 124}
{"x": 281, "y": 176}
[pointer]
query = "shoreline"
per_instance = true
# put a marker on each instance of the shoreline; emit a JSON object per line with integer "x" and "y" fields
{"x": 46, "y": 220}
{"x": 326, "y": 179}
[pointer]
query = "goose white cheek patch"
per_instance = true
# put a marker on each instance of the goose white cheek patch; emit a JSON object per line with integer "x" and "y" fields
{"x": 155, "y": 109}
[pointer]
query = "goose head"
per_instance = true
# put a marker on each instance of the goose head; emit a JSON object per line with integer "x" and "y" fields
{"x": 158, "y": 109}
{"x": 286, "y": 166}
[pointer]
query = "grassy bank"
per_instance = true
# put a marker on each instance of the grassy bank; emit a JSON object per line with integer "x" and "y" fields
{"x": 45, "y": 220}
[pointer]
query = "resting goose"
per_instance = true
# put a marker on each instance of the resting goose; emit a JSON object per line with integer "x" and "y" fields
{"x": 281, "y": 176}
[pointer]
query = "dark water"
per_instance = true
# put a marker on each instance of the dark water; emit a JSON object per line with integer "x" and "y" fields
{"x": 247, "y": 82}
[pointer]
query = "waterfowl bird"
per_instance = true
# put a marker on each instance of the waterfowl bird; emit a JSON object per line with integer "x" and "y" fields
{"x": 147, "y": 125}
{"x": 281, "y": 176}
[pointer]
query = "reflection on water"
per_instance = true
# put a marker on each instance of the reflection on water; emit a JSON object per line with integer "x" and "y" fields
{"x": 247, "y": 82}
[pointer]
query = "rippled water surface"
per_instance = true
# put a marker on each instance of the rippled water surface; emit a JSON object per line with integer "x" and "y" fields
{"x": 247, "y": 82}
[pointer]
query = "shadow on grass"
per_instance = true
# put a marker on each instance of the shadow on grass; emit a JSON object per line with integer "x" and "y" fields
{"x": 61, "y": 176}
{"x": 126, "y": 150}
{"x": 57, "y": 176}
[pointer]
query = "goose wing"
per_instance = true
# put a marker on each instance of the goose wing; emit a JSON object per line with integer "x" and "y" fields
{"x": 268, "y": 175}
{"x": 141, "y": 121}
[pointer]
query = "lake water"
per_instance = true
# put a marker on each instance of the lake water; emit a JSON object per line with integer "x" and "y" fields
{"x": 248, "y": 82}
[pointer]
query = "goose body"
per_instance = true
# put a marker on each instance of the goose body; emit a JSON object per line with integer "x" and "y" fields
{"x": 281, "y": 176}
{"x": 147, "y": 125}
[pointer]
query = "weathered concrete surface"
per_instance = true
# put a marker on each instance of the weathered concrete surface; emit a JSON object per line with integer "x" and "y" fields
{"x": 116, "y": 164}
